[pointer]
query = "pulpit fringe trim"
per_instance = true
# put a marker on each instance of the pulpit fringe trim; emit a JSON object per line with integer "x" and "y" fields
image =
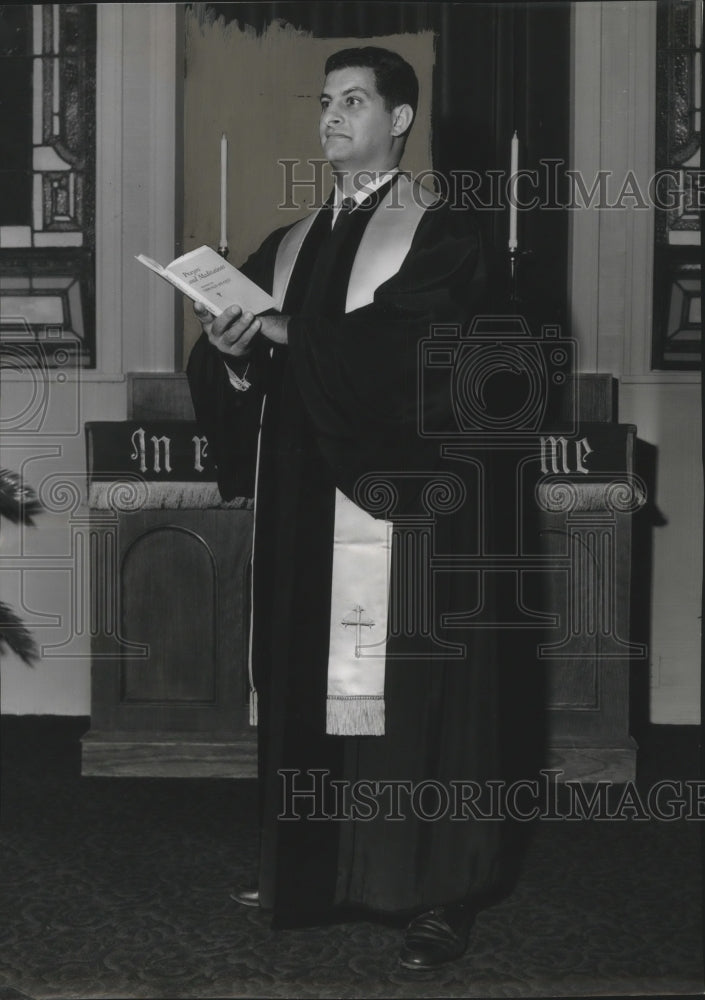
{"x": 133, "y": 495}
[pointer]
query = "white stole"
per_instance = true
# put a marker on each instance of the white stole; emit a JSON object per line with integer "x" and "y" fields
{"x": 362, "y": 543}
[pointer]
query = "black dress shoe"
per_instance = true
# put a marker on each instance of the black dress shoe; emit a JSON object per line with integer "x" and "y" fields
{"x": 246, "y": 897}
{"x": 436, "y": 937}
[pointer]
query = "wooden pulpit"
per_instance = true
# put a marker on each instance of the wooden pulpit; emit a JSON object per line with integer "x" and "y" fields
{"x": 170, "y": 566}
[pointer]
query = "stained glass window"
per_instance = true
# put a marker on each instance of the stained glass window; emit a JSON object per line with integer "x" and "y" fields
{"x": 677, "y": 342}
{"x": 47, "y": 181}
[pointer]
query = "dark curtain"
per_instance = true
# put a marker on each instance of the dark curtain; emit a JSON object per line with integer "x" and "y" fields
{"x": 328, "y": 18}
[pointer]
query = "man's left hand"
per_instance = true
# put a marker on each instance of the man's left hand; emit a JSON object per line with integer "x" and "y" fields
{"x": 275, "y": 328}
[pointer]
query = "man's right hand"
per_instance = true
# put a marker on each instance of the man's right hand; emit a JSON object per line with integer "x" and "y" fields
{"x": 231, "y": 332}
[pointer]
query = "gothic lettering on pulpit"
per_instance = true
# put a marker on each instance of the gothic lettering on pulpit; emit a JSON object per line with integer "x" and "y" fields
{"x": 200, "y": 450}
{"x": 155, "y": 450}
{"x": 572, "y": 455}
{"x": 140, "y": 450}
{"x": 136, "y": 465}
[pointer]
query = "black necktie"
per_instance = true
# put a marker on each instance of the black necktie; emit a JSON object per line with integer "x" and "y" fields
{"x": 346, "y": 207}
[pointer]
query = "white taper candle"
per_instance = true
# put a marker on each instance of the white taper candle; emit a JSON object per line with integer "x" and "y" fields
{"x": 513, "y": 168}
{"x": 223, "y": 191}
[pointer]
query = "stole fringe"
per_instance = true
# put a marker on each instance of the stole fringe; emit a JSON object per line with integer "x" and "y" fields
{"x": 355, "y": 716}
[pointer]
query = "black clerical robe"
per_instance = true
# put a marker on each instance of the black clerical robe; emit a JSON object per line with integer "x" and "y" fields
{"x": 342, "y": 401}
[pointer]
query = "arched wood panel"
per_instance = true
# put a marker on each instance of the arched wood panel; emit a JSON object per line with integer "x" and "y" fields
{"x": 168, "y": 600}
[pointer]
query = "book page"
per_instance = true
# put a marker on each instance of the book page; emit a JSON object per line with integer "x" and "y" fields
{"x": 153, "y": 265}
{"x": 205, "y": 275}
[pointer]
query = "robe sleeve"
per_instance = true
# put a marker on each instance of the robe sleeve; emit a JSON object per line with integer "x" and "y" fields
{"x": 363, "y": 378}
{"x": 229, "y": 418}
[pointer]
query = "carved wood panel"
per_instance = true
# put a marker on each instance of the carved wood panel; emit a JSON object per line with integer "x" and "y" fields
{"x": 183, "y": 594}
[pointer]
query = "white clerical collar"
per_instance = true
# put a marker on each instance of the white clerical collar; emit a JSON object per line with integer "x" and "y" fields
{"x": 364, "y": 192}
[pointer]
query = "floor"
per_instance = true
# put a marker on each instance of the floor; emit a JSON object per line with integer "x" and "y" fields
{"x": 118, "y": 888}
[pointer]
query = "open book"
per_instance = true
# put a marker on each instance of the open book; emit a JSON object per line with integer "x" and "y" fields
{"x": 206, "y": 277}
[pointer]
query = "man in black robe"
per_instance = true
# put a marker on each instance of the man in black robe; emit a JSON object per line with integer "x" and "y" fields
{"x": 347, "y": 402}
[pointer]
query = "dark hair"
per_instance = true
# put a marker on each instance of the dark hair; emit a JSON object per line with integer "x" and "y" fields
{"x": 395, "y": 79}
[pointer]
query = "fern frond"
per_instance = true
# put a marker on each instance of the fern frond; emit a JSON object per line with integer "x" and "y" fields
{"x": 18, "y": 503}
{"x": 15, "y": 635}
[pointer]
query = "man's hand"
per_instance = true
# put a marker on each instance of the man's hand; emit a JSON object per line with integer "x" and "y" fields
{"x": 275, "y": 328}
{"x": 233, "y": 331}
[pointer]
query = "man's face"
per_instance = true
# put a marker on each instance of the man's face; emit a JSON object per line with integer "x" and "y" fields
{"x": 355, "y": 126}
